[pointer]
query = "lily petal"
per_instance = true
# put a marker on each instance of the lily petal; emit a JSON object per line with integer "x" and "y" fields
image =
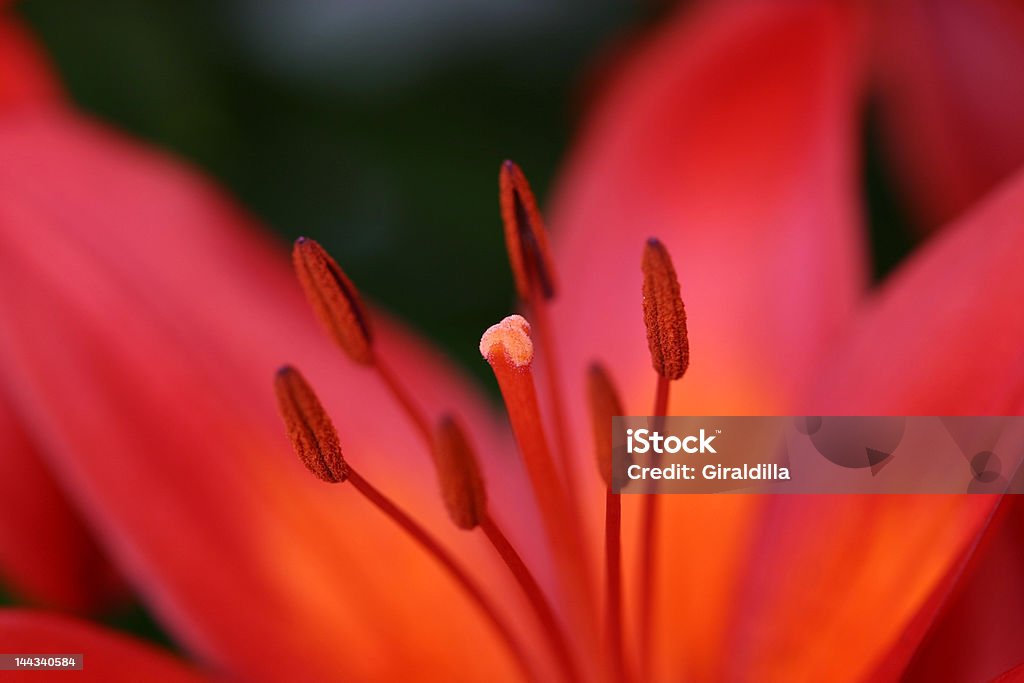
{"x": 982, "y": 621}
{"x": 107, "y": 657}
{"x": 47, "y": 556}
{"x": 951, "y": 98}
{"x": 146, "y": 322}
{"x": 943, "y": 337}
{"x": 1014, "y": 675}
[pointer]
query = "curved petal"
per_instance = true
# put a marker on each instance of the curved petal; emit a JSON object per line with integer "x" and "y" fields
{"x": 1014, "y": 675}
{"x": 983, "y": 621}
{"x": 730, "y": 136}
{"x": 951, "y": 98}
{"x": 143, "y": 324}
{"x": 47, "y": 556}
{"x": 108, "y": 657}
{"x": 942, "y": 338}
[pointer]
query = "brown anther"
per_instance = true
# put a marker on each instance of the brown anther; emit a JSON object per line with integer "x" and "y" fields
{"x": 334, "y": 299}
{"x": 525, "y": 236}
{"x": 462, "y": 487}
{"x": 664, "y": 314}
{"x": 310, "y": 429}
{"x": 604, "y": 405}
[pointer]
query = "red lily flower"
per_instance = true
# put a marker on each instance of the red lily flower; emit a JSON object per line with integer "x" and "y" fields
{"x": 143, "y": 316}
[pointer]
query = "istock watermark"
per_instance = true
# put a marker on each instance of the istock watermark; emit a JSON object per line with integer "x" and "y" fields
{"x": 818, "y": 455}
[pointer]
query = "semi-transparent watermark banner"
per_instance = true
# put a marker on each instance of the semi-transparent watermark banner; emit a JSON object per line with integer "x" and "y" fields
{"x": 840, "y": 455}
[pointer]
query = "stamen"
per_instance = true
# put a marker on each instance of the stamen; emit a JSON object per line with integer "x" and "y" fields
{"x": 509, "y": 350}
{"x": 462, "y": 577}
{"x": 462, "y": 487}
{"x": 334, "y": 299}
{"x": 310, "y": 429}
{"x": 665, "y": 318}
{"x": 404, "y": 398}
{"x": 541, "y": 606}
{"x": 525, "y": 236}
{"x": 316, "y": 443}
{"x": 604, "y": 405}
{"x": 664, "y": 314}
{"x": 530, "y": 259}
{"x": 466, "y": 499}
{"x": 337, "y": 305}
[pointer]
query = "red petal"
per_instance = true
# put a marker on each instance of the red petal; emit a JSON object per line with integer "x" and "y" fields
{"x": 1014, "y": 675}
{"x": 46, "y": 554}
{"x": 944, "y": 335}
{"x": 983, "y": 622}
{"x": 143, "y": 325}
{"x": 952, "y": 98}
{"x": 108, "y": 657}
{"x": 942, "y": 338}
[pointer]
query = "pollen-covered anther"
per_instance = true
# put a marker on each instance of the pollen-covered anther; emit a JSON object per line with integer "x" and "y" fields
{"x": 525, "y": 236}
{"x": 462, "y": 487}
{"x": 509, "y": 339}
{"x": 664, "y": 314}
{"x": 334, "y": 299}
{"x": 604, "y": 405}
{"x": 309, "y": 427}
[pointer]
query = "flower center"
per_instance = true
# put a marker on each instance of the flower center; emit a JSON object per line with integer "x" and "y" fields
{"x": 509, "y": 348}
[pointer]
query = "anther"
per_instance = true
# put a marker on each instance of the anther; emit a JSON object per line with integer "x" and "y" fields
{"x": 462, "y": 487}
{"x": 525, "y": 236}
{"x": 664, "y": 315}
{"x": 309, "y": 427}
{"x": 604, "y": 405}
{"x": 334, "y": 299}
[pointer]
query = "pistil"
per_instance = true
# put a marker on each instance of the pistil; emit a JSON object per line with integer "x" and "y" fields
{"x": 508, "y": 348}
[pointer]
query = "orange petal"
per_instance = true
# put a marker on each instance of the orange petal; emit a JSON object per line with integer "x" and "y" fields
{"x": 108, "y": 657}
{"x": 951, "y": 98}
{"x": 47, "y": 556}
{"x": 143, "y": 324}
